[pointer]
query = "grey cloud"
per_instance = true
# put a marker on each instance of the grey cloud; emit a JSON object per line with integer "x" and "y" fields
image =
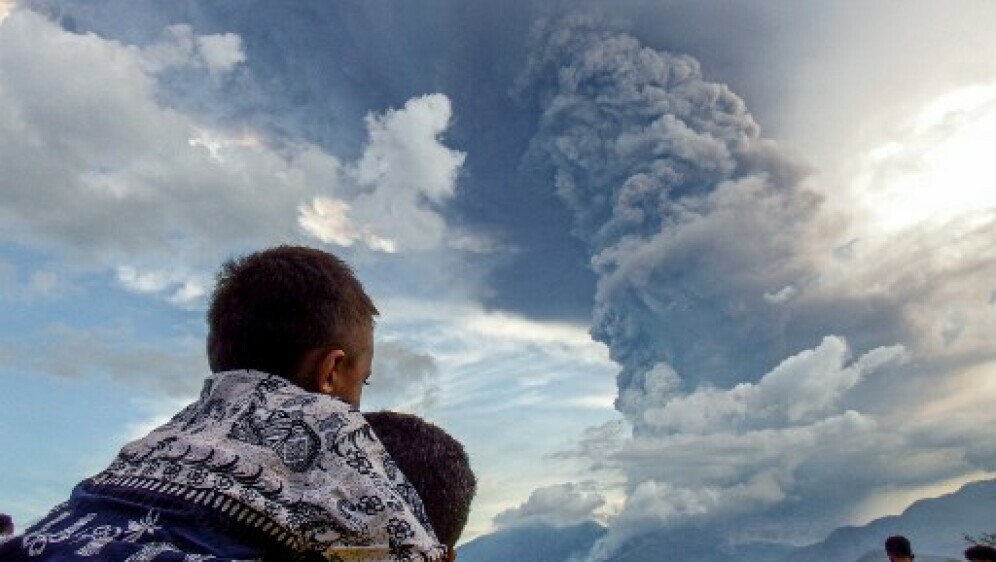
{"x": 668, "y": 179}
{"x": 220, "y": 53}
{"x": 785, "y": 477}
{"x": 801, "y": 389}
{"x": 725, "y": 458}
{"x": 560, "y": 505}
{"x": 98, "y": 166}
{"x": 21, "y": 287}
{"x": 180, "y": 47}
{"x": 600, "y": 445}
{"x": 403, "y": 378}
{"x": 654, "y": 505}
{"x": 690, "y": 217}
{"x": 720, "y": 277}
{"x": 175, "y": 368}
{"x": 95, "y": 164}
{"x": 313, "y": 72}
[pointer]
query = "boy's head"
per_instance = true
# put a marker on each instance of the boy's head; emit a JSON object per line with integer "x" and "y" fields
{"x": 435, "y": 464}
{"x": 295, "y": 312}
{"x": 980, "y": 553}
{"x": 898, "y": 548}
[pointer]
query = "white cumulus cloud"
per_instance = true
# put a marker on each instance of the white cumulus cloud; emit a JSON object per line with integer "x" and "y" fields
{"x": 97, "y": 166}
{"x": 405, "y": 171}
{"x": 221, "y": 52}
{"x": 560, "y": 505}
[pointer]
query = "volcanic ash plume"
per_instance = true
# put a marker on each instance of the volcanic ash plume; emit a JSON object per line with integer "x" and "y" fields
{"x": 691, "y": 217}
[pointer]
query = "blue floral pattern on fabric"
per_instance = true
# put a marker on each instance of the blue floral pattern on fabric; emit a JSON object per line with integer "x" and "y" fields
{"x": 302, "y": 469}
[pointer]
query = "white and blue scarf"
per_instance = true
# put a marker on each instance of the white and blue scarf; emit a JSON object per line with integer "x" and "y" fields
{"x": 303, "y": 469}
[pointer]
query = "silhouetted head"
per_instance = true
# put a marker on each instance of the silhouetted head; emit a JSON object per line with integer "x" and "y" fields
{"x": 6, "y": 525}
{"x": 898, "y": 548}
{"x": 980, "y": 553}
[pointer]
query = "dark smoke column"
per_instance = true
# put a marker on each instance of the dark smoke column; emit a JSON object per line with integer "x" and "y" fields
{"x": 691, "y": 217}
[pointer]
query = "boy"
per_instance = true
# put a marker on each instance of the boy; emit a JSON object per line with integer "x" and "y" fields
{"x": 273, "y": 456}
{"x": 980, "y": 553}
{"x": 6, "y": 525}
{"x": 437, "y": 467}
{"x": 898, "y": 549}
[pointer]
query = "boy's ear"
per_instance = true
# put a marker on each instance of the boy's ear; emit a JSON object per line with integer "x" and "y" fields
{"x": 450, "y": 554}
{"x": 323, "y": 369}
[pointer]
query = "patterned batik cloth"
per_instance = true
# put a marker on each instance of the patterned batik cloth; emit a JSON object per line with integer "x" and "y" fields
{"x": 256, "y": 461}
{"x": 91, "y": 527}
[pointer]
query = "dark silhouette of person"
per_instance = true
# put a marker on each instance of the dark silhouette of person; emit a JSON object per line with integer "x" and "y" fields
{"x": 6, "y": 525}
{"x": 898, "y": 549}
{"x": 436, "y": 466}
{"x": 274, "y": 455}
{"x": 980, "y": 553}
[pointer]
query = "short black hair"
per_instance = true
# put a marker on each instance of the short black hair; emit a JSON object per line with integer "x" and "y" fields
{"x": 271, "y": 307}
{"x": 435, "y": 464}
{"x": 980, "y": 552}
{"x": 898, "y": 545}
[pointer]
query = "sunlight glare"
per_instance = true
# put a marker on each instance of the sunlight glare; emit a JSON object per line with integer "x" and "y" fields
{"x": 5, "y": 8}
{"x": 942, "y": 167}
{"x": 894, "y": 501}
{"x": 217, "y": 143}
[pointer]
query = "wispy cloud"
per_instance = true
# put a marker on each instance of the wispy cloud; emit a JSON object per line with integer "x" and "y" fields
{"x": 174, "y": 368}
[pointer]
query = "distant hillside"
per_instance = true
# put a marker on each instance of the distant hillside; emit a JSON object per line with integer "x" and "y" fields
{"x": 551, "y": 544}
{"x": 935, "y": 526}
{"x": 694, "y": 545}
{"x": 539, "y": 543}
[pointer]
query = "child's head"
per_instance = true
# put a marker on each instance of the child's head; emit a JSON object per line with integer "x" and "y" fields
{"x": 435, "y": 464}
{"x": 284, "y": 310}
{"x": 980, "y": 553}
{"x": 898, "y": 548}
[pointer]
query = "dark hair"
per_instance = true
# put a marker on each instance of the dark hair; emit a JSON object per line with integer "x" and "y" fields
{"x": 435, "y": 464}
{"x": 898, "y": 545}
{"x": 271, "y": 307}
{"x": 980, "y": 552}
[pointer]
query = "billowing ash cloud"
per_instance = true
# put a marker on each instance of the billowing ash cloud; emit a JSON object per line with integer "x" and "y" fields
{"x": 691, "y": 217}
{"x": 767, "y": 344}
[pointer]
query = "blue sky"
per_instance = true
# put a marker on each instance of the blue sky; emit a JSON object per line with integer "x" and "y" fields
{"x": 665, "y": 264}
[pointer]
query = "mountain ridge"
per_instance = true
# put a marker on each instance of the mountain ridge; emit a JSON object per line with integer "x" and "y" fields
{"x": 934, "y": 525}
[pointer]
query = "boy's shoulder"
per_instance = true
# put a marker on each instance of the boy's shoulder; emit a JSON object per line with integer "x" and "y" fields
{"x": 303, "y": 468}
